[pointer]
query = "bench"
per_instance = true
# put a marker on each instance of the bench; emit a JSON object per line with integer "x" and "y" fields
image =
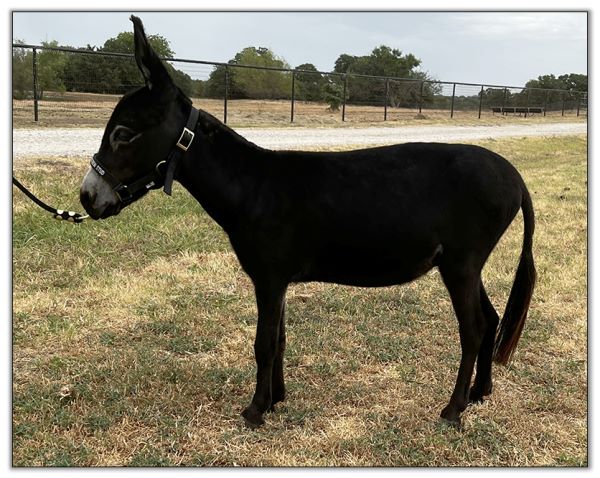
{"x": 529, "y": 110}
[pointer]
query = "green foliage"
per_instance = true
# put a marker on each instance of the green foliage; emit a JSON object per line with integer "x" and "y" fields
{"x": 570, "y": 82}
{"x": 127, "y": 71}
{"x": 199, "y": 88}
{"x": 182, "y": 80}
{"x": 51, "y": 65}
{"x": 100, "y": 74}
{"x": 22, "y": 78}
{"x": 333, "y": 93}
{"x": 263, "y": 84}
{"x": 575, "y": 82}
{"x": 123, "y": 43}
{"x": 309, "y": 86}
{"x": 343, "y": 63}
{"x": 214, "y": 87}
{"x": 60, "y": 71}
{"x": 496, "y": 96}
{"x": 383, "y": 61}
{"x": 249, "y": 82}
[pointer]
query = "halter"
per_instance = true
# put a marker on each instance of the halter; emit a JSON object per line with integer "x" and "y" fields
{"x": 157, "y": 178}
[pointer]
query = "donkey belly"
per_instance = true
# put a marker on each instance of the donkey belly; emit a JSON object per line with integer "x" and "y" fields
{"x": 357, "y": 267}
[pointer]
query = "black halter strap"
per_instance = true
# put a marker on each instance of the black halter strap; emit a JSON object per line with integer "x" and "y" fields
{"x": 157, "y": 178}
{"x": 183, "y": 144}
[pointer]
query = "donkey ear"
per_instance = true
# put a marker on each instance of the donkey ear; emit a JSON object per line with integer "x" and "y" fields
{"x": 148, "y": 62}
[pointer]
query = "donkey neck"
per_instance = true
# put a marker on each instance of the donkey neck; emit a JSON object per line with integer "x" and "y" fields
{"x": 222, "y": 170}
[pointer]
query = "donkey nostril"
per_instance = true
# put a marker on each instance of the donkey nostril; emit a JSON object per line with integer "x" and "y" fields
{"x": 86, "y": 198}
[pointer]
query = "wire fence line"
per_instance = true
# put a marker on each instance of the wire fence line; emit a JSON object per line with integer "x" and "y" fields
{"x": 60, "y": 85}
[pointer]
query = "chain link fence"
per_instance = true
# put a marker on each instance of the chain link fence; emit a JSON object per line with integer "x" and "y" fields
{"x": 76, "y": 87}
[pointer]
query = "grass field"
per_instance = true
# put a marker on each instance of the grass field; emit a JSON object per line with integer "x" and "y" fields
{"x": 93, "y": 110}
{"x": 133, "y": 342}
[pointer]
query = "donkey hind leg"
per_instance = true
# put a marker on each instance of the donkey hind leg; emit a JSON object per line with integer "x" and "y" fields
{"x": 464, "y": 288}
{"x": 269, "y": 301}
{"x": 482, "y": 385}
{"x": 278, "y": 383}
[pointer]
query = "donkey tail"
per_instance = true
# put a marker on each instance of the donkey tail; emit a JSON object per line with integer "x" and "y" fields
{"x": 515, "y": 313}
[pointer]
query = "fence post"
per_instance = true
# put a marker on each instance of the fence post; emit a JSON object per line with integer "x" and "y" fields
{"x": 293, "y": 95}
{"x": 35, "y": 86}
{"x": 344, "y": 98}
{"x": 546, "y": 102}
{"x": 527, "y": 102}
{"x": 578, "y": 103}
{"x": 387, "y": 93}
{"x": 480, "y": 101}
{"x": 504, "y": 99}
{"x": 563, "y": 104}
{"x": 421, "y": 97}
{"x": 226, "y": 94}
{"x": 452, "y": 104}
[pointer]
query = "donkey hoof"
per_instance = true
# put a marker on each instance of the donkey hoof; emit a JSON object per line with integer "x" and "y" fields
{"x": 252, "y": 417}
{"x": 477, "y": 393}
{"x": 475, "y": 397}
{"x": 450, "y": 418}
{"x": 451, "y": 423}
{"x": 276, "y": 399}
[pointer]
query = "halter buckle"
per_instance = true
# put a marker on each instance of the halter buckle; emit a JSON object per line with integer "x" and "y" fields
{"x": 185, "y": 140}
{"x": 123, "y": 192}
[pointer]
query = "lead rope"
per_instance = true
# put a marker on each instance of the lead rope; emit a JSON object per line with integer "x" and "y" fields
{"x": 57, "y": 213}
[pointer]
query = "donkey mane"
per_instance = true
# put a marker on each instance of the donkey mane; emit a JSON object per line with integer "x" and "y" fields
{"x": 216, "y": 131}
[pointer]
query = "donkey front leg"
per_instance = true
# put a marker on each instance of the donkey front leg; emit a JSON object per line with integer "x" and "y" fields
{"x": 278, "y": 383}
{"x": 270, "y": 302}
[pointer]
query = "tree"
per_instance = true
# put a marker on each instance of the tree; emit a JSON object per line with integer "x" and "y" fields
{"x": 116, "y": 75}
{"x": 263, "y": 84}
{"x": 383, "y": 61}
{"x": 98, "y": 74}
{"x": 199, "y": 88}
{"x": 575, "y": 82}
{"x": 125, "y": 73}
{"x": 546, "y": 82}
{"x": 251, "y": 82}
{"x": 123, "y": 43}
{"x": 344, "y": 62}
{"x": 22, "y": 78}
{"x": 571, "y": 82}
{"x": 182, "y": 80}
{"x": 215, "y": 85}
{"x": 50, "y": 68}
{"x": 309, "y": 86}
{"x": 496, "y": 96}
{"x": 333, "y": 92}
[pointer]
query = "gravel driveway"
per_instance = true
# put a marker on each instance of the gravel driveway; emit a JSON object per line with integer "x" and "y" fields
{"x": 85, "y": 141}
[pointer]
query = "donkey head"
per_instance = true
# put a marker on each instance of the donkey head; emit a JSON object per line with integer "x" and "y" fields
{"x": 142, "y": 130}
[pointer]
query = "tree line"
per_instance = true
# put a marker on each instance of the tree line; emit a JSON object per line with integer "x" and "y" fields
{"x": 61, "y": 71}
{"x": 81, "y": 72}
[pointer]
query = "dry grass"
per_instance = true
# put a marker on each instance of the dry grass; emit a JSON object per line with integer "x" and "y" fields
{"x": 133, "y": 342}
{"x": 86, "y": 110}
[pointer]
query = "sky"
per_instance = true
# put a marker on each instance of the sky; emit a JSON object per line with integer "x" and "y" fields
{"x": 501, "y": 48}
